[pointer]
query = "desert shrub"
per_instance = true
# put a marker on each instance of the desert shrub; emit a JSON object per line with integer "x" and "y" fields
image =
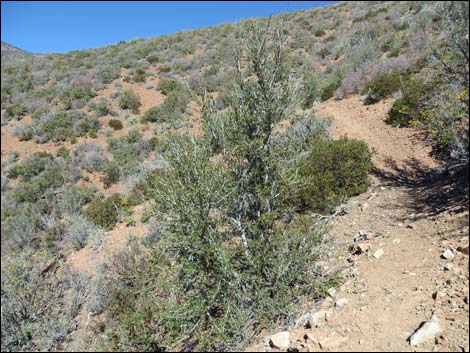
{"x": 33, "y": 188}
{"x": 381, "y": 86}
{"x": 21, "y": 227}
{"x": 218, "y": 256}
{"x": 59, "y": 128}
{"x": 63, "y": 152}
{"x": 88, "y": 156}
{"x": 333, "y": 171}
{"x": 319, "y": 32}
{"x": 151, "y": 115}
{"x": 23, "y": 131}
{"x": 447, "y": 115}
{"x": 110, "y": 173}
{"x": 72, "y": 199}
{"x": 126, "y": 153}
{"x": 105, "y": 212}
{"x": 31, "y": 166}
{"x": 129, "y": 100}
{"x": 100, "y": 106}
{"x": 98, "y": 298}
{"x": 77, "y": 231}
{"x": 139, "y": 75}
{"x": 311, "y": 91}
{"x": 35, "y": 312}
{"x": 115, "y": 124}
{"x": 170, "y": 110}
{"x": 328, "y": 90}
{"x": 15, "y": 111}
{"x": 409, "y": 109}
{"x": 167, "y": 85}
{"x": 153, "y": 59}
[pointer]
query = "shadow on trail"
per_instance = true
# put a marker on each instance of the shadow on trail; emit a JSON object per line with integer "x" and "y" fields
{"x": 433, "y": 190}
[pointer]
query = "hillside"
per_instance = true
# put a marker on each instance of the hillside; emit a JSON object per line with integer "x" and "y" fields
{"x": 11, "y": 54}
{"x": 205, "y": 190}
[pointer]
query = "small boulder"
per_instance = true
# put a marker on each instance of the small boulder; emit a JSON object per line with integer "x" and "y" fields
{"x": 378, "y": 254}
{"x": 332, "y": 342}
{"x": 280, "y": 340}
{"x": 426, "y": 332}
{"x": 448, "y": 254}
{"x": 341, "y": 302}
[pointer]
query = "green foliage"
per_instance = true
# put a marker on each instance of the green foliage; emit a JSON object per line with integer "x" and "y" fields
{"x": 311, "y": 91}
{"x": 15, "y": 111}
{"x": 58, "y": 128}
{"x": 111, "y": 173}
{"x": 221, "y": 266}
{"x": 319, "y": 32}
{"x": 333, "y": 171}
{"x": 328, "y": 90}
{"x": 170, "y": 110}
{"x": 129, "y": 100}
{"x": 105, "y": 212}
{"x": 63, "y": 152}
{"x": 151, "y": 115}
{"x": 168, "y": 85}
{"x": 35, "y": 311}
{"x": 139, "y": 75}
{"x": 381, "y": 86}
{"x": 115, "y": 124}
{"x": 409, "y": 109}
{"x": 100, "y": 106}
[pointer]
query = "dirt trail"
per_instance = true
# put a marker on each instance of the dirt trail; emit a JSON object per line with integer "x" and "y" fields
{"x": 388, "y": 296}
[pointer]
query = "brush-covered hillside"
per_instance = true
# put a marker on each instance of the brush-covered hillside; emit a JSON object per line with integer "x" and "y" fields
{"x": 174, "y": 193}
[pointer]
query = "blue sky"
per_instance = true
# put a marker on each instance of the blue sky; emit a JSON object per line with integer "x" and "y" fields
{"x": 50, "y": 26}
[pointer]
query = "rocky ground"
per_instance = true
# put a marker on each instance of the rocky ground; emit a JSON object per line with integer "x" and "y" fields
{"x": 403, "y": 246}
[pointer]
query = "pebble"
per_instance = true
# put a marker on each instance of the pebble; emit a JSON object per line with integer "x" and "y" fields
{"x": 280, "y": 340}
{"x": 448, "y": 254}
{"x": 341, "y": 302}
{"x": 378, "y": 254}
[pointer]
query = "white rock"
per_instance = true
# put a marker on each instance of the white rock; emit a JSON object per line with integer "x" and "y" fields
{"x": 332, "y": 342}
{"x": 319, "y": 317}
{"x": 426, "y": 332}
{"x": 448, "y": 267}
{"x": 341, "y": 302}
{"x": 448, "y": 254}
{"x": 332, "y": 292}
{"x": 306, "y": 320}
{"x": 280, "y": 340}
{"x": 378, "y": 254}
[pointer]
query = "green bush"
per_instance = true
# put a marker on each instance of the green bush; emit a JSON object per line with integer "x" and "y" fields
{"x": 15, "y": 111}
{"x": 381, "y": 86}
{"x": 129, "y": 100}
{"x": 167, "y": 85}
{"x": 220, "y": 265}
{"x": 105, "y": 212}
{"x": 328, "y": 90}
{"x": 111, "y": 173}
{"x": 100, "y": 106}
{"x": 151, "y": 115}
{"x": 319, "y": 32}
{"x": 115, "y": 124}
{"x": 139, "y": 75}
{"x": 333, "y": 171}
{"x": 170, "y": 110}
{"x": 63, "y": 152}
{"x": 59, "y": 128}
{"x": 410, "y": 108}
